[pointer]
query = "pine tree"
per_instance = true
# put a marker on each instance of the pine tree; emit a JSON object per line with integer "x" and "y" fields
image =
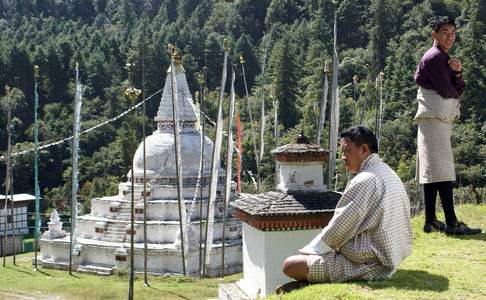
{"x": 284, "y": 70}
{"x": 213, "y": 59}
{"x": 245, "y": 48}
{"x": 473, "y": 53}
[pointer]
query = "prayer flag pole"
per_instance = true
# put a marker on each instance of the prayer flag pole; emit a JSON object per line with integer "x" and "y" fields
{"x": 12, "y": 213}
{"x": 334, "y": 128}
{"x": 229, "y": 157}
{"x": 145, "y": 242}
{"x": 174, "y": 55}
{"x": 322, "y": 116}
{"x": 262, "y": 127}
{"x": 132, "y": 94}
{"x": 202, "y": 89}
{"x": 253, "y": 135}
{"x": 355, "y": 95}
{"x": 36, "y": 166}
{"x": 8, "y": 173}
{"x": 381, "y": 78}
{"x": 75, "y": 155}
{"x": 215, "y": 164}
{"x": 276, "y": 133}
{"x": 239, "y": 149}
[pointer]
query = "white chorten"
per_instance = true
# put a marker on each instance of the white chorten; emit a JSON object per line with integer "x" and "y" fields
{"x": 103, "y": 236}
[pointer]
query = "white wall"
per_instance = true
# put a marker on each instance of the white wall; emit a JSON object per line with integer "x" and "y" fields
{"x": 296, "y": 176}
{"x": 263, "y": 255}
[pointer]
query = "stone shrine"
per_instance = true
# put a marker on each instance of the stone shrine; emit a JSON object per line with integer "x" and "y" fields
{"x": 103, "y": 236}
{"x": 277, "y": 224}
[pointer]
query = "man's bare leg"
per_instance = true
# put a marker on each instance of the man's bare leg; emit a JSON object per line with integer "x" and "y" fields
{"x": 296, "y": 267}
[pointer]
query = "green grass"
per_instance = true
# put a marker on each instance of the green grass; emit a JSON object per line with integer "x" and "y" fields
{"x": 441, "y": 267}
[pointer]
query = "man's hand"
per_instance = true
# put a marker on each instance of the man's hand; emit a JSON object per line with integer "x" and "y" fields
{"x": 455, "y": 64}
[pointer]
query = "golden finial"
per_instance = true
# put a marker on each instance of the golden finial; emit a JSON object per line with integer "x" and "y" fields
{"x": 36, "y": 71}
{"x": 355, "y": 80}
{"x": 226, "y": 44}
{"x": 381, "y": 76}
{"x": 170, "y": 49}
{"x": 131, "y": 92}
{"x": 242, "y": 60}
{"x": 174, "y": 53}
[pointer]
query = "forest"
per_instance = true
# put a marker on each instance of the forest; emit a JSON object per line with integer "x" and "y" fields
{"x": 285, "y": 44}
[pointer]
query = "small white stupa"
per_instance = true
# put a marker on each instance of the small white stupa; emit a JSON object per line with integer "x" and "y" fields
{"x": 277, "y": 224}
{"x": 103, "y": 236}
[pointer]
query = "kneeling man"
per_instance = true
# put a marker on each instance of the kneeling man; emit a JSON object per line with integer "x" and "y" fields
{"x": 370, "y": 233}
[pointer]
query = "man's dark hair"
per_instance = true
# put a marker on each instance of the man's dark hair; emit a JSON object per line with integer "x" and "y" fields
{"x": 439, "y": 21}
{"x": 360, "y": 135}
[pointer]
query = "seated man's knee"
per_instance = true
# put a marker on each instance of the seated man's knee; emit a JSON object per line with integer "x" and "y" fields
{"x": 296, "y": 267}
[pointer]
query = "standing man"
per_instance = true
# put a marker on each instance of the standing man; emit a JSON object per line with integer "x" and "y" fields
{"x": 439, "y": 77}
{"x": 370, "y": 233}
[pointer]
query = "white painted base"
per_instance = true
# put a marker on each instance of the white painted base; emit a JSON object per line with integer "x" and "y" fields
{"x": 263, "y": 255}
{"x": 161, "y": 259}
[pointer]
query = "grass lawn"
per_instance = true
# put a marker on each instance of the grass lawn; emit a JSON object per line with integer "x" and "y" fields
{"x": 441, "y": 267}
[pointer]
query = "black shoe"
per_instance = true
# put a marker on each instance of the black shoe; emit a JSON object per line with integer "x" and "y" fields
{"x": 461, "y": 228}
{"x": 434, "y": 226}
{"x": 290, "y": 286}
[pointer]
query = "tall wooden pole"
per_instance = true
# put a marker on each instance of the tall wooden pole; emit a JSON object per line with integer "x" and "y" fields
{"x": 8, "y": 173}
{"x": 229, "y": 160}
{"x": 132, "y": 94}
{"x": 334, "y": 128}
{"x": 202, "y": 111}
{"x": 74, "y": 183}
{"x": 323, "y": 104}
{"x": 381, "y": 78}
{"x": 36, "y": 167}
{"x": 180, "y": 197}
{"x": 355, "y": 96}
{"x": 14, "y": 216}
{"x": 248, "y": 108}
{"x": 208, "y": 235}
{"x": 8, "y": 92}
{"x": 262, "y": 126}
{"x": 145, "y": 241}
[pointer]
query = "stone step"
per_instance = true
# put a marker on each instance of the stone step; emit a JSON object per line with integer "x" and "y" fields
{"x": 113, "y": 240}
{"x": 114, "y": 233}
{"x": 110, "y": 234}
{"x": 115, "y": 230}
{"x": 96, "y": 270}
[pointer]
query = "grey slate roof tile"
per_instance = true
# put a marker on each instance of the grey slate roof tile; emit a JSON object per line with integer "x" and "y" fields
{"x": 275, "y": 203}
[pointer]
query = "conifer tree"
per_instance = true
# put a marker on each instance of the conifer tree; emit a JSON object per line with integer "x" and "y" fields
{"x": 244, "y": 47}
{"x": 474, "y": 62}
{"x": 284, "y": 70}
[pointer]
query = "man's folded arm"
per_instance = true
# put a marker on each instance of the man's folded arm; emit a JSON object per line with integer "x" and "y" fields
{"x": 360, "y": 198}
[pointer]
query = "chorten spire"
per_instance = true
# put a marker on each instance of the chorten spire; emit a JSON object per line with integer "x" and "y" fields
{"x": 186, "y": 110}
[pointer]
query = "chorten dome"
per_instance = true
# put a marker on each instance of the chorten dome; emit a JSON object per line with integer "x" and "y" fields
{"x": 160, "y": 149}
{"x": 160, "y": 155}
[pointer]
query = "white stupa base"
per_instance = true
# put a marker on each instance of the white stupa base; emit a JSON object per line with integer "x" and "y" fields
{"x": 99, "y": 257}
